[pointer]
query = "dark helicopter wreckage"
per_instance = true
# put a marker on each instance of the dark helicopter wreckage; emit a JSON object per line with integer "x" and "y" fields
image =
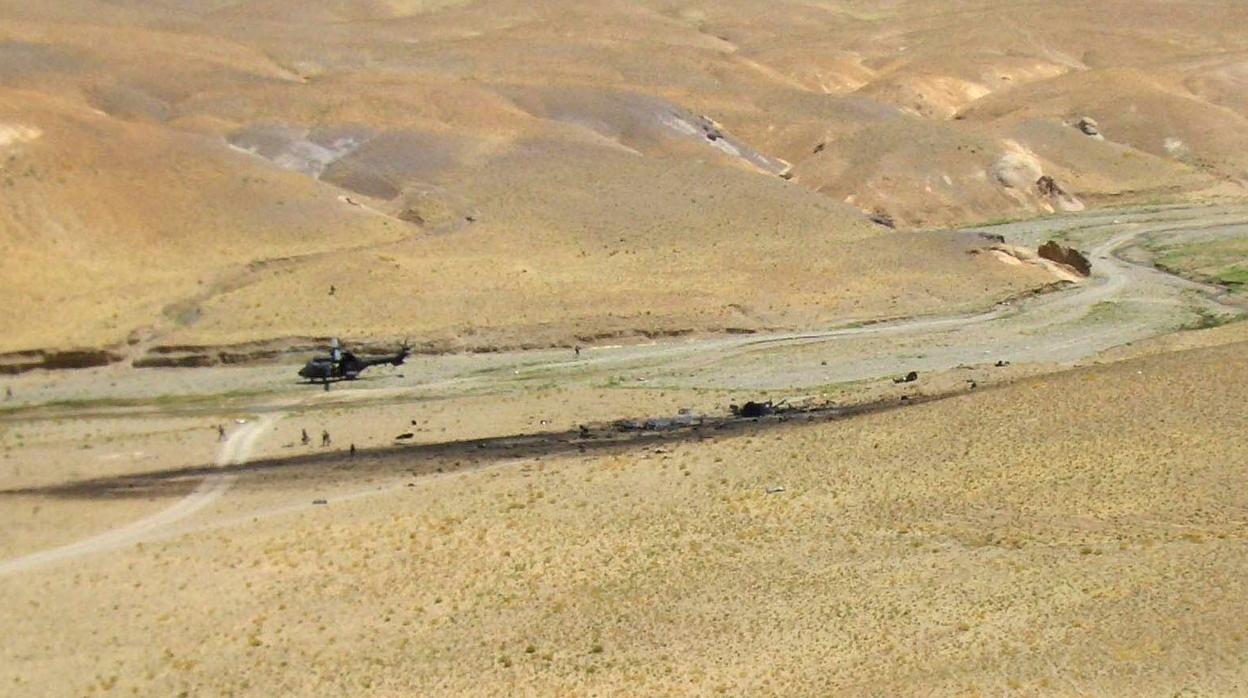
{"x": 341, "y": 365}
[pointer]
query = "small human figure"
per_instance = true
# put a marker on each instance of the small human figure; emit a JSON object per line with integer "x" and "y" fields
{"x": 353, "y": 450}
{"x": 304, "y": 438}
{"x": 577, "y": 349}
{"x": 332, "y": 290}
{"x": 325, "y": 437}
{"x": 220, "y": 432}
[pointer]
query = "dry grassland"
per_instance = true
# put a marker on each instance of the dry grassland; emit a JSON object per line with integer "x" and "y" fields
{"x": 1076, "y": 534}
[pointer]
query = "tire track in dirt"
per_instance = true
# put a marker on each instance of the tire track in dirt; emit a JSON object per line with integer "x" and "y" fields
{"x": 233, "y": 452}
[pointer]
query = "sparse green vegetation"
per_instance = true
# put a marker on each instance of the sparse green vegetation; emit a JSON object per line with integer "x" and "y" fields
{"x": 1208, "y": 319}
{"x": 1219, "y": 261}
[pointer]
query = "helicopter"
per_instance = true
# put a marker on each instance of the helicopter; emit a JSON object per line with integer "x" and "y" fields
{"x": 342, "y": 365}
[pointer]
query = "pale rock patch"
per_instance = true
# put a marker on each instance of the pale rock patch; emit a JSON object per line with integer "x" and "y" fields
{"x": 13, "y": 134}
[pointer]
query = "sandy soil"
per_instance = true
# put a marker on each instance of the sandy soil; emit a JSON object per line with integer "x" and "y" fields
{"x": 1044, "y": 530}
{"x": 701, "y": 195}
{"x": 994, "y": 542}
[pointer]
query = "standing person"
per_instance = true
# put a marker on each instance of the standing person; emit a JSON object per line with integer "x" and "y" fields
{"x": 325, "y": 437}
{"x": 577, "y": 349}
{"x": 305, "y": 439}
{"x": 353, "y": 450}
{"x": 220, "y": 432}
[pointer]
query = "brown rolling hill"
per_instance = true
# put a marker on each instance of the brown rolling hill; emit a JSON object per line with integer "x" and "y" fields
{"x": 484, "y": 174}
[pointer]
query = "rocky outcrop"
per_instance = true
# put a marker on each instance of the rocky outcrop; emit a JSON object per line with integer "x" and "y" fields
{"x": 1067, "y": 256}
{"x": 1047, "y": 186}
{"x": 1058, "y": 198}
{"x": 22, "y": 361}
{"x": 1017, "y": 169}
{"x": 192, "y": 356}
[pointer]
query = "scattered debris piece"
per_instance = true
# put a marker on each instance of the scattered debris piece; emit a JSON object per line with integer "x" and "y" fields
{"x": 774, "y": 490}
{"x": 754, "y": 409}
{"x": 684, "y": 418}
{"x": 880, "y": 217}
{"x": 319, "y": 501}
{"x": 1090, "y": 128}
{"x": 1001, "y": 363}
{"x": 908, "y": 378}
{"x": 404, "y": 436}
{"x": 993, "y": 237}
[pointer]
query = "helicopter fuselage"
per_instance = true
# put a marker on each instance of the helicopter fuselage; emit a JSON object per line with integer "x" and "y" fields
{"x": 325, "y": 369}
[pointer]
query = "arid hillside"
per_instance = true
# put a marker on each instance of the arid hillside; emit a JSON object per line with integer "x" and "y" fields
{"x": 482, "y": 174}
{"x": 1072, "y": 534}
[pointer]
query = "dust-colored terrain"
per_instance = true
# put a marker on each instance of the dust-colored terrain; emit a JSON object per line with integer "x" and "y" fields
{"x": 1053, "y": 506}
{"x": 983, "y": 263}
{"x": 478, "y": 175}
{"x": 1079, "y": 533}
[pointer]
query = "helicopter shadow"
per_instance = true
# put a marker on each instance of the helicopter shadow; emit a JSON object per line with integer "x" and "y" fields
{"x": 428, "y": 458}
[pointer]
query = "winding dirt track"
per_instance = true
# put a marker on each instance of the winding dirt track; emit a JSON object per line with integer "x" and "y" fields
{"x": 1050, "y": 328}
{"x": 1054, "y": 327}
{"x": 233, "y": 452}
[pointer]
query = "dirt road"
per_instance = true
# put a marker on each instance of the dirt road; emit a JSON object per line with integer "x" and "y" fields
{"x": 1123, "y": 302}
{"x": 234, "y": 451}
